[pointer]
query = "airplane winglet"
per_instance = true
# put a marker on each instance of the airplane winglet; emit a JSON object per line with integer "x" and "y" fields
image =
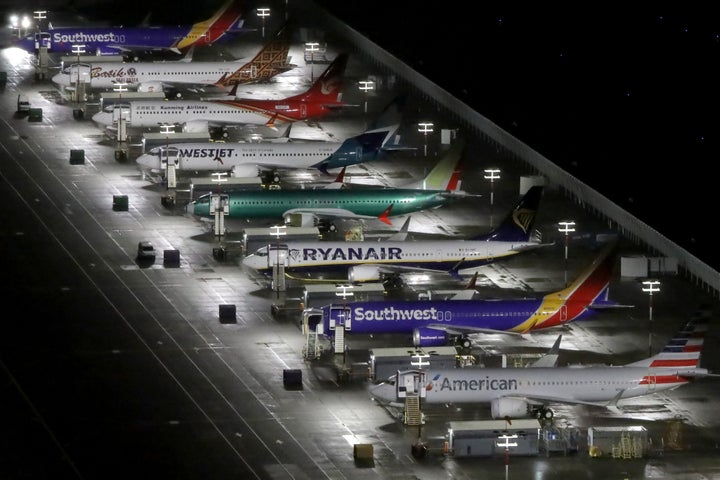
{"x": 271, "y": 122}
{"x": 472, "y": 283}
{"x": 550, "y": 359}
{"x": 385, "y": 215}
{"x": 454, "y": 270}
{"x": 401, "y": 234}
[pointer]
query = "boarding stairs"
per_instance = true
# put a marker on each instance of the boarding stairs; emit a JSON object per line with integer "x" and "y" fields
{"x": 412, "y": 415}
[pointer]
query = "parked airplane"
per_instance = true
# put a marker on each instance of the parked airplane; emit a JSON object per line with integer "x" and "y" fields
{"x": 272, "y": 60}
{"x": 252, "y": 159}
{"x": 197, "y": 116}
{"x": 437, "y": 322}
{"x": 129, "y": 40}
{"x": 365, "y": 261}
{"x": 523, "y": 392}
{"x": 320, "y": 207}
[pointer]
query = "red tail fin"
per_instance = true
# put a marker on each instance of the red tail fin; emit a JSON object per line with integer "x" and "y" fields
{"x": 327, "y": 88}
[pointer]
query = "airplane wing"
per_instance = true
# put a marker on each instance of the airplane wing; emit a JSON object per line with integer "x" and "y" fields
{"x": 330, "y": 213}
{"x": 545, "y": 399}
{"x": 466, "y": 330}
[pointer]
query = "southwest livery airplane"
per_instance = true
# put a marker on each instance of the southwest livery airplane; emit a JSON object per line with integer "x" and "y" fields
{"x": 121, "y": 40}
{"x": 252, "y": 159}
{"x": 320, "y": 207}
{"x": 272, "y": 60}
{"x": 436, "y": 322}
{"x": 523, "y": 392}
{"x": 364, "y": 261}
{"x": 323, "y": 97}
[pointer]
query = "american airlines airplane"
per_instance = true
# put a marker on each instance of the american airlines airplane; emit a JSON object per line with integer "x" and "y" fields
{"x": 270, "y": 61}
{"x": 437, "y": 322}
{"x": 363, "y": 261}
{"x": 129, "y": 40}
{"x": 323, "y": 97}
{"x": 523, "y": 392}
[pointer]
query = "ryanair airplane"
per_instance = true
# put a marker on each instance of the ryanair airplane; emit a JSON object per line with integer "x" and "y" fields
{"x": 365, "y": 261}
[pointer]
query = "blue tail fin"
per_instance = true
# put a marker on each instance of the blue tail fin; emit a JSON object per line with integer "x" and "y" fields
{"x": 519, "y": 223}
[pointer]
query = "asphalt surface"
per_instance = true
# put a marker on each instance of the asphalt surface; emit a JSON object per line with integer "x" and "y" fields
{"x": 114, "y": 369}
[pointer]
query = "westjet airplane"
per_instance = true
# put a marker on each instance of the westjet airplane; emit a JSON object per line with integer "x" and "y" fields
{"x": 523, "y": 392}
{"x": 323, "y": 97}
{"x": 272, "y": 60}
{"x": 253, "y": 159}
{"x": 320, "y": 207}
{"x": 128, "y": 40}
{"x": 364, "y": 261}
{"x": 437, "y": 322}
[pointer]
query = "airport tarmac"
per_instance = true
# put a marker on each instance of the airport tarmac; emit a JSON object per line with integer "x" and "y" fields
{"x": 114, "y": 369}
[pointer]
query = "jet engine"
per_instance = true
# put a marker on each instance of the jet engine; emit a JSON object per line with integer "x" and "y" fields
{"x": 244, "y": 171}
{"x": 509, "y": 407}
{"x": 196, "y": 127}
{"x": 429, "y": 337}
{"x": 363, "y": 273}
{"x": 146, "y": 87}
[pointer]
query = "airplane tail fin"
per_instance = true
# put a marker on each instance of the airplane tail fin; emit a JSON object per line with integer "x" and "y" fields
{"x": 327, "y": 89}
{"x": 221, "y": 22}
{"x": 518, "y": 225}
{"x": 680, "y": 358}
{"x": 365, "y": 147}
{"x": 446, "y": 175}
{"x": 270, "y": 61}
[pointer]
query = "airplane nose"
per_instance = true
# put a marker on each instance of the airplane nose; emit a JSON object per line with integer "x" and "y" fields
{"x": 60, "y": 79}
{"x": 148, "y": 161}
{"x": 383, "y": 393}
{"x": 102, "y": 118}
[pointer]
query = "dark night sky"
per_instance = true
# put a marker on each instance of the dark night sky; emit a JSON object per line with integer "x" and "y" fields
{"x": 624, "y": 98}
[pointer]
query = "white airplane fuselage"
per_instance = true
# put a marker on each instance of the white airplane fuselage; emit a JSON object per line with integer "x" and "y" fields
{"x": 216, "y": 156}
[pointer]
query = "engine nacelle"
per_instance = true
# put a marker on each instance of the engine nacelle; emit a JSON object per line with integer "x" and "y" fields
{"x": 363, "y": 273}
{"x": 244, "y": 171}
{"x": 429, "y": 337}
{"x": 301, "y": 220}
{"x": 146, "y": 87}
{"x": 509, "y": 407}
{"x": 196, "y": 127}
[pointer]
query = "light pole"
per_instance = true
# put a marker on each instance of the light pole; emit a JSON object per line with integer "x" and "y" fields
{"x": 262, "y": 13}
{"x": 78, "y": 49}
{"x": 650, "y": 287}
{"x": 566, "y": 227}
{"x": 312, "y": 47}
{"x": 425, "y": 128}
{"x": 366, "y": 86}
{"x": 507, "y": 444}
{"x": 492, "y": 174}
{"x": 218, "y": 206}
{"x": 169, "y": 169}
{"x": 278, "y": 270}
{"x": 120, "y": 87}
